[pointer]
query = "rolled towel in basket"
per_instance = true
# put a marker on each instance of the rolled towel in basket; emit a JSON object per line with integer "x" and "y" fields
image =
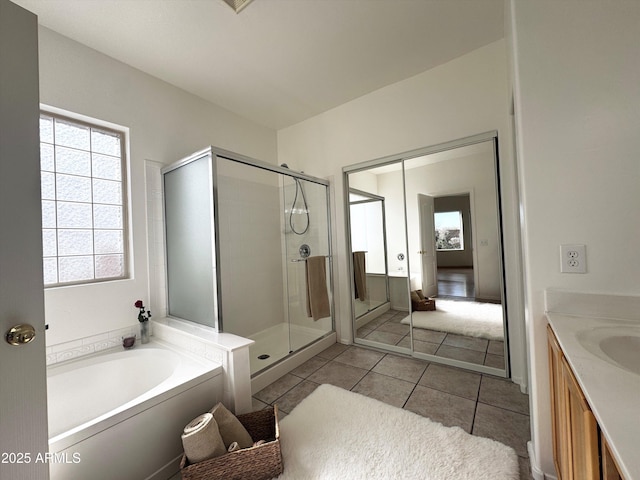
{"x": 230, "y": 427}
{"x": 201, "y": 439}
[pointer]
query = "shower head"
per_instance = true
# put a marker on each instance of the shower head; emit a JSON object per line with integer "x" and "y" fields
{"x": 284, "y": 165}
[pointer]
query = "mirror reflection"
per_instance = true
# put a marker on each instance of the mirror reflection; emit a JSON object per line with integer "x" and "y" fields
{"x": 451, "y": 273}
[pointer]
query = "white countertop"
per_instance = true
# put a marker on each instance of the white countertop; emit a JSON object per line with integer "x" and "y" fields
{"x": 613, "y": 393}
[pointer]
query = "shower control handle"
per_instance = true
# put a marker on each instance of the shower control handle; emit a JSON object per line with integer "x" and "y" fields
{"x": 20, "y": 334}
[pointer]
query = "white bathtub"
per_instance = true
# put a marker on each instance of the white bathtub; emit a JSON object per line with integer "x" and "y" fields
{"x": 120, "y": 414}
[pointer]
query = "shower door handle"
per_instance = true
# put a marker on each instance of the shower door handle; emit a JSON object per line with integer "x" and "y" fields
{"x": 20, "y": 334}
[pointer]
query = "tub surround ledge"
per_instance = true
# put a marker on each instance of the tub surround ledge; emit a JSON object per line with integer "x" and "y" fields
{"x": 611, "y": 391}
{"x": 231, "y": 351}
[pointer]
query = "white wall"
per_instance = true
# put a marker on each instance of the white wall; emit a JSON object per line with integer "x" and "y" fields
{"x": 165, "y": 124}
{"x": 577, "y": 95}
{"x": 464, "y": 97}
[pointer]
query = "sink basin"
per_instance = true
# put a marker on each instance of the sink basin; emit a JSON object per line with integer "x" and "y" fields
{"x": 618, "y": 345}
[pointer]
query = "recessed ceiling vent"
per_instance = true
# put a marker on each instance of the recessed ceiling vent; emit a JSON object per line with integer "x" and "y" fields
{"x": 237, "y": 5}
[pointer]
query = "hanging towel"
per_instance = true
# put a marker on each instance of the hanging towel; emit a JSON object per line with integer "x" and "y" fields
{"x": 360, "y": 275}
{"x": 317, "y": 295}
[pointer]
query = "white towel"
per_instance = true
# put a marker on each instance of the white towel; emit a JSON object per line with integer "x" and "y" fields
{"x": 201, "y": 439}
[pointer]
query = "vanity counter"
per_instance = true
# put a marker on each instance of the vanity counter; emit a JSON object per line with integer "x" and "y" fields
{"x": 613, "y": 392}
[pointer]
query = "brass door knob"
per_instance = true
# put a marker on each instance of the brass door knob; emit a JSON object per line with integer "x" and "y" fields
{"x": 20, "y": 334}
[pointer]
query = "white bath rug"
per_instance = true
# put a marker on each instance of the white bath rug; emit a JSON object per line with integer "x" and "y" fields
{"x": 473, "y": 319}
{"x": 334, "y": 434}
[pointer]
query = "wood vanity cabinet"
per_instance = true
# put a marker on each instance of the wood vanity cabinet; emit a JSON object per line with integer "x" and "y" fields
{"x": 576, "y": 441}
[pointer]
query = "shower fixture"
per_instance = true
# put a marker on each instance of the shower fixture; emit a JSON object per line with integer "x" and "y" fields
{"x": 293, "y": 209}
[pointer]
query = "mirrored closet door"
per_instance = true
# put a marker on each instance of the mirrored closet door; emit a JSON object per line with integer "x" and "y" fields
{"x": 427, "y": 223}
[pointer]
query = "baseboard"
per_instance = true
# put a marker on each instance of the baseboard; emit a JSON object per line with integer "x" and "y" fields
{"x": 536, "y": 473}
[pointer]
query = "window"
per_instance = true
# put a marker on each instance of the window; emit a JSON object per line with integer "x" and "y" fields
{"x": 449, "y": 234}
{"x": 83, "y": 203}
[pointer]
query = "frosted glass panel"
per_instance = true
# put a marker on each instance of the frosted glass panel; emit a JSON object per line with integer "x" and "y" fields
{"x": 50, "y": 267}
{"x": 74, "y": 215}
{"x": 107, "y": 167}
{"x": 72, "y": 135}
{"x": 46, "y": 129}
{"x": 74, "y": 162}
{"x": 75, "y": 242}
{"x": 49, "y": 243}
{"x": 108, "y": 266}
{"x": 105, "y": 191}
{"x": 48, "y": 214}
{"x": 75, "y": 269}
{"x": 102, "y": 142}
{"x": 76, "y": 189}
{"x": 107, "y": 216}
{"x": 108, "y": 241}
{"x": 190, "y": 242}
{"x": 46, "y": 157}
{"x": 48, "y": 186}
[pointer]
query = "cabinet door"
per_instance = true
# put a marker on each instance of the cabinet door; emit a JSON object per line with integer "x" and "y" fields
{"x": 609, "y": 467}
{"x": 559, "y": 409}
{"x": 582, "y": 430}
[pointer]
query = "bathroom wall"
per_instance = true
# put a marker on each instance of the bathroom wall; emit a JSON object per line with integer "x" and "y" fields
{"x": 466, "y": 96}
{"x": 165, "y": 124}
{"x": 577, "y": 95}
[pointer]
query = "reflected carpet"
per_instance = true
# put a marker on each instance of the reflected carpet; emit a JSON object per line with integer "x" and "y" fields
{"x": 473, "y": 319}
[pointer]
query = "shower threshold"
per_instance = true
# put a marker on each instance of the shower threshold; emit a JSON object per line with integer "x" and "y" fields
{"x": 272, "y": 345}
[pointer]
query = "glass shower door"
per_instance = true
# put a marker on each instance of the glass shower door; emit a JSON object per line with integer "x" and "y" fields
{"x": 307, "y": 261}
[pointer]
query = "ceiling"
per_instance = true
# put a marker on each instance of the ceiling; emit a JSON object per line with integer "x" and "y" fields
{"x": 277, "y": 62}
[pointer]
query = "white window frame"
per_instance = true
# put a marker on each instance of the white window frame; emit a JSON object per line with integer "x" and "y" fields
{"x": 123, "y": 133}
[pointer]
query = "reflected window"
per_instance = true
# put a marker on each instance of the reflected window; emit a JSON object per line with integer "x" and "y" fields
{"x": 449, "y": 234}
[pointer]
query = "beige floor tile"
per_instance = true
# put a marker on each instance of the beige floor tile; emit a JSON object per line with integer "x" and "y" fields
{"x": 360, "y": 357}
{"x": 278, "y": 388}
{"x": 478, "y": 344}
{"x": 310, "y": 366}
{"x": 293, "y": 397}
{"x": 445, "y": 408}
{"x": 393, "y": 327}
{"x": 338, "y": 374}
{"x": 495, "y": 361}
{"x": 386, "y": 389}
{"x": 425, "y": 347}
{"x": 431, "y": 336}
{"x": 408, "y": 369}
{"x": 452, "y": 380}
{"x": 504, "y": 394}
{"x": 496, "y": 347}
{"x": 384, "y": 337}
{"x": 463, "y": 354}
{"x": 505, "y": 426}
{"x": 333, "y": 351}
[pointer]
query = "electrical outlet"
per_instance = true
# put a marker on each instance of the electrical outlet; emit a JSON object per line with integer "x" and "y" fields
{"x": 573, "y": 258}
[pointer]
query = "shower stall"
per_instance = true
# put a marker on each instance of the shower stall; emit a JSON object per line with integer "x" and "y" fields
{"x": 248, "y": 252}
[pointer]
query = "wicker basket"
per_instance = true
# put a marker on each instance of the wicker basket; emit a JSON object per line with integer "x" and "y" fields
{"x": 428, "y": 304}
{"x": 263, "y": 462}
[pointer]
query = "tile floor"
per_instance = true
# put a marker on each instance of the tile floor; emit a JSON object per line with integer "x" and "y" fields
{"x": 388, "y": 330}
{"x": 481, "y": 404}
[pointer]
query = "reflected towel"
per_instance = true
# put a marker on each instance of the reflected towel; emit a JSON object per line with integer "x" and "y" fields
{"x": 317, "y": 295}
{"x": 360, "y": 275}
{"x": 201, "y": 439}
